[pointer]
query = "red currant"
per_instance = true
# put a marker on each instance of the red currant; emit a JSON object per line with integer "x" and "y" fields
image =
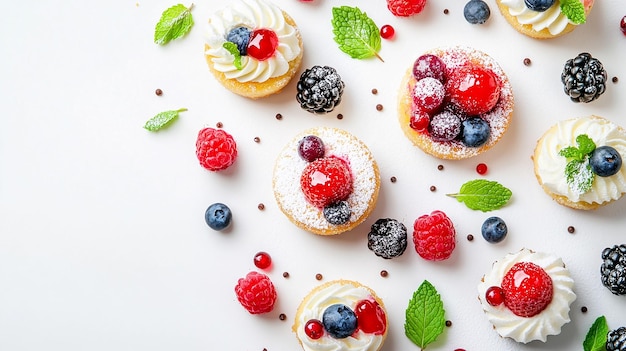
{"x": 263, "y": 43}
{"x": 314, "y": 329}
{"x": 371, "y": 317}
{"x": 262, "y": 260}
{"x": 481, "y": 168}
{"x": 419, "y": 121}
{"x": 494, "y": 296}
{"x": 387, "y": 32}
{"x": 622, "y": 25}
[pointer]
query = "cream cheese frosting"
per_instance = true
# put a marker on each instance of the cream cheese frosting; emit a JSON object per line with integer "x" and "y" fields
{"x": 550, "y": 166}
{"x": 254, "y": 14}
{"x": 313, "y": 306}
{"x": 552, "y": 19}
{"x": 547, "y": 322}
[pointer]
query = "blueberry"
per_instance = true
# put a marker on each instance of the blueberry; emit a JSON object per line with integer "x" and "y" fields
{"x": 475, "y": 132}
{"x": 337, "y": 213}
{"x": 605, "y": 161}
{"x": 476, "y": 12}
{"x": 494, "y": 229}
{"x": 218, "y": 216}
{"x": 538, "y": 5}
{"x": 339, "y": 321}
{"x": 241, "y": 37}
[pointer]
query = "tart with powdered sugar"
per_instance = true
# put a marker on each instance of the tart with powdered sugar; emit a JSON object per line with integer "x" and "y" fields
{"x": 253, "y": 48}
{"x": 527, "y": 295}
{"x": 341, "y": 315}
{"x": 326, "y": 181}
{"x": 455, "y": 103}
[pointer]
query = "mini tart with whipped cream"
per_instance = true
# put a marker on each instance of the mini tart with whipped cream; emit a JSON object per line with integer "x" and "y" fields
{"x": 455, "y": 102}
{"x": 326, "y": 181}
{"x": 527, "y": 295}
{"x": 253, "y": 48}
{"x": 568, "y": 171}
{"x": 541, "y": 23}
{"x": 341, "y": 315}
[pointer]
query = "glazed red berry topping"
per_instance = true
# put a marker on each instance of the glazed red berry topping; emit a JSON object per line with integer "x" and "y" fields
{"x": 387, "y": 32}
{"x": 216, "y": 150}
{"x": 325, "y": 181}
{"x": 622, "y": 25}
{"x": 262, "y": 44}
{"x": 419, "y": 121}
{"x": 262, "y": 260}
{"x": 314, "y": 329}
{"x": 256, "y": 293}
{"x": 429, "y": 66}
{"x": 428, "y": 94}
{"x": 371, "y": 317}
{"x": 434, "y": 236}
{"x": 527, "y": 289}
{"x": 405, "y": 8}
{"x": 474, "y": 89}
{"x": 494, "y": 296}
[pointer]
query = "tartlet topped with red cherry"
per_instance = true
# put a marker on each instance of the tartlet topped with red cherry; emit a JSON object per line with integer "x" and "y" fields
{"x": 455, "y": 103}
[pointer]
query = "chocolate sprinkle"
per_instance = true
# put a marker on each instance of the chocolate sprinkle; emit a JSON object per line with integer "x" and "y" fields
{"x": 339, "y": 116}
{"x": 393, "y": 179}
{"x": 527, "y": 61}
{"x": 279, "y": 116}
{"x": 384, "y": 273}
{"x": 159, "y": 92}
{"x": 440, "y": 167}
{"x": 470, "y": 237}
{"x": 219, "y": 124}
{"x": 318, "y": 276}
{"x": 282, "y": 316}
{"x": 433, "y": 188}
{"x": 374, "y": 91}
{"x": 583, "y": 309}
{"x": 261, "y": 206}
{"x": 446, "y": 11}
{"x": 614, "y": 79}
{"x": 257, "y": 139}
{"x": 379, "y": 107}
{"x": 448, "y": 323}
{"x": 285, "y": 275}
{"x": 571, "y": 229}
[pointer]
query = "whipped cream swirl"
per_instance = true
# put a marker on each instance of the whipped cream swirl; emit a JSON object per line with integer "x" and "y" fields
{"x": 551, "y": 166}
{"x": 339, "y": 292}
{"x": 254, "y": 14}
{"x": 547, "y": 322}
{"x": 552, "y": 19}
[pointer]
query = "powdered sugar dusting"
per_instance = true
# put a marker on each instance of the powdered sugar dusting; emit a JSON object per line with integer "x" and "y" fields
{"x": 289, "y": 166}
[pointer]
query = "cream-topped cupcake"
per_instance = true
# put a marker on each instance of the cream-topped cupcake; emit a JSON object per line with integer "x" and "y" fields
{"x": 527, "y": 295}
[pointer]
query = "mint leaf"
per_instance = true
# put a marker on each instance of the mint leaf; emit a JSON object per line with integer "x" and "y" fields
{"x": 356, "y": 33}
{"x": 596, "y": 336}
{"x": 579, "y": 176}
{"x": 162, "y": 119}
{"x": 232, "y": 48}
{"x": 585, "y": 144}
{"x": 424, "y": 316}
{"x": 571, "y": 152}
{"x": 574, "y": 10}
{"x": 175, "y": 22}
{"x": 484, "y": 195}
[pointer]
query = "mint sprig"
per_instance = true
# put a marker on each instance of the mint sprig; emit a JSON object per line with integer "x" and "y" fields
{"x": 232, "y": 48}
{"x": 356, "y": 33}
{"x": 578, "y": 173}
{"x": 162, "y": 119}
{"x": 175, "y": 22}
{"x": 484, "y": 195}
{"x": 424, "y": 316}
{"x": 574, "y": 10}
{"x": 595, "y": 340}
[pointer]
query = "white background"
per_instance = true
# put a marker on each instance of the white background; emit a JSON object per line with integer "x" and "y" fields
{"x": 103, "y": 244}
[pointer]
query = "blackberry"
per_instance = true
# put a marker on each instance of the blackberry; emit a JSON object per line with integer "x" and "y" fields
{"x": 583, "y": 78}
{"x": 337, "y": 213}
{"x": 616, "y": 340}
{"x": 387, "y": 238}
{"x": 613, "y": 269}
{"x": 319, "y": 89}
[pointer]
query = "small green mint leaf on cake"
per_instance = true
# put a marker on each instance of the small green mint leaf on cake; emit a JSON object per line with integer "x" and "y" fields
{"x": 585, "y": 144}
{"x": 484, "y": 195}
{"x": 574, "y": 10}
{"x": 232, "y": 48}
{"x": 424, "y": 316}
{"x": 356, "y": 33}
{"x": 578, "y": 172}
{"x": 162, "y": 119}
{"x": 175, "y": 22}
{"x": 596, "y": 336}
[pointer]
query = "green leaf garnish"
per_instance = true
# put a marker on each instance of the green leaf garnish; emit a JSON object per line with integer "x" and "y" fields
{"x": 578, "y": 172}
{"x": 424, "y": 316}
{"x": 596, "y": 336}
{"x": 232, "y": 48}
{"x": 356, "y": 33}
{"x": 175, "y": 22}
{"x": 484, "y": 195}
{"x": 574, "y": 10}
{"x": 162, "y": 119}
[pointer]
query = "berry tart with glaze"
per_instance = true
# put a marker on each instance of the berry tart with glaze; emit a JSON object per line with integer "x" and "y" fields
{"x": 527, "y": 295}
{"x": 455, "y": 102}
{"x": 578, "y": 162}
{"x": 543, "y": 19}
{"x": 253, "y": 48}
{"x": 326, "y": 181}
{"x": 341, "y": 315}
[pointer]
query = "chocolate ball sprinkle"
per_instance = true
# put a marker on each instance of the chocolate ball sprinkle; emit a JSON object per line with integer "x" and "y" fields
{"x": 433, "y": 188}
{"x": 527, "y": 61}
{"x": 571, "y": 229}
{"x": 440, "y": 167}
{"x": 219, "y": 124}
{"x": 158, "y": 92}
{"x": 448, "y": 323}
{"x": 282, "y": 316}
{"x": 339, "y": 116}
{"x": 614, "y": 79}
{"x": 393, "y": 179}
{"x": 379, "y": 107}
{"x": 384, "y": 273}
{"x": 279, "y": 116}
{"x": 470, "y": 237}
{"x": 583, "y": 309}
{"x": 261, "y": 206}
{"x": 318, "y": 276}
{"x": 374, "y": 91}
{"x": 285, "y": 275}
{"x": 446, "y": 11}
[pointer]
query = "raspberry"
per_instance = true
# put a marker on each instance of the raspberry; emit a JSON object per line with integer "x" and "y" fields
{"x": 527, "y": 289}
{"x": 256, "y": 293}
{"x": 474, "y": 89}
{"x": 434, "y": 236}
{"x": 216, "y": 150}
{"x": 405, "y": 8}
{"x": 325, "y": 181}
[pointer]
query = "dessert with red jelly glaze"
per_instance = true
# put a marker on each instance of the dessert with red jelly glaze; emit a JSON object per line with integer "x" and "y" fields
{"x": 455, "y": 102}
